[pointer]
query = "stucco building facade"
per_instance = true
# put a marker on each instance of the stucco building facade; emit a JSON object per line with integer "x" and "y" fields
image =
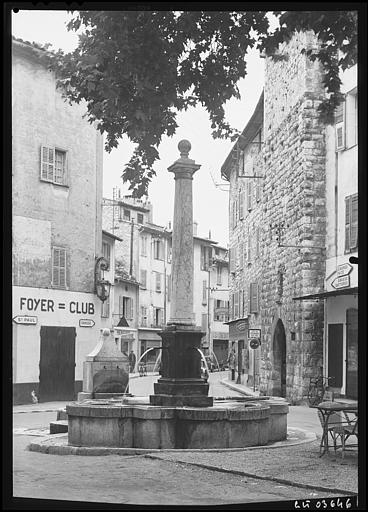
{"x": 56, "y": 231}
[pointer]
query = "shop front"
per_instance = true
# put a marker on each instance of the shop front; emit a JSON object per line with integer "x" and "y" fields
{"x": 149, "y": 349}
{"x": 53, "y": 331}
{"x": 238, "y": 358}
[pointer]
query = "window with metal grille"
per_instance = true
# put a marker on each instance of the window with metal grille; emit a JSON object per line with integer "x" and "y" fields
{"x": 351, "y": 223}
{"x": 59, "y": 267}
{"x": 53, "y": 165}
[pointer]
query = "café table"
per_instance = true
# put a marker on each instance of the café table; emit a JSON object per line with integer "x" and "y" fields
{"x": 327, "y": 409}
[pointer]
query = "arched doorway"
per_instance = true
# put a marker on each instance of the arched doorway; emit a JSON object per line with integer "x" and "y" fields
{"x": 279, "y": 359}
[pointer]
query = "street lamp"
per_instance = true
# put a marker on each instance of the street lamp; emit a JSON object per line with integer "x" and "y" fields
{"x": 102, "y": 286}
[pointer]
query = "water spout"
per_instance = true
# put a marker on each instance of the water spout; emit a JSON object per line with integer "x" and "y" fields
{"x": 158, "y": 361}
{"x": 204, "y": 361}
{"x": 214, "y": 355}
{"x": 146, "y": 352}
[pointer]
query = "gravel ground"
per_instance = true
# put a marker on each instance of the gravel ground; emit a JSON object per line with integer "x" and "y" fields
{"x": 299, "y": 465}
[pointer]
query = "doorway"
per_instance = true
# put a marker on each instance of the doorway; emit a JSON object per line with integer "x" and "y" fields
{"x": 57, "y": 363}
{"x": 352, "y": 353}
{"x": 335, "y": 354}
{"x": 279, "y": 360}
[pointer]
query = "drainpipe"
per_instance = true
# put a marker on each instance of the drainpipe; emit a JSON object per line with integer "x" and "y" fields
{"x": 131, "y": 248}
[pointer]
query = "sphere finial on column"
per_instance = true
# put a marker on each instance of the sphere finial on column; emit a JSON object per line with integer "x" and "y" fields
{"x": 184, "y": 147}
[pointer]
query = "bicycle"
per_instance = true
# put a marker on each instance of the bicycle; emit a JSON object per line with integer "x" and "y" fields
{"x": 317, "y": 389}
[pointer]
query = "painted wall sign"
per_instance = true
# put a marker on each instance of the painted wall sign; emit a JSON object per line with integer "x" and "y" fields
{"x": 86, "y": 322}
{"x": 344, "y": 269}
{"x": 25, "y": 320}
{"x": 341, "y": 282}
{"x": 50, "y": 306}
{"x": 254, "y": 333}
{"x": 254, "y": 343}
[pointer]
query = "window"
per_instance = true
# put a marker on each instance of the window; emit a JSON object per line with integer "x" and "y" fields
{"x": 241, "y": 205}
{"x": 157, "y": 317}
{"x": 106, "y": 251}
{"x": 221, "y": 310}
{"x": 257, "y": 242}
{"x": 249, "y": 245}
{"x": 144, "y": 245}
{"x": 126, "y": 307}
{"x": 143, "y": 316}
{"x": 53, "y": 165}
{"x": 351, "y": 223}
{"x": 249, "y": 188}
{"x": 204, "y": 322}
{"x": 168, "y": 284}
{"x": 58, "y": 267}
{"x": 204, "y": 292}
{"x": 340, "y": 127}
{"x": 351, "y": 119}
{"x": 241, "y": 254}
{"x": 206, "y": 254}
{"x": 169, "y": 252}
{"x": 140, "y": 218}
{"x": 232, "y": 260}
{"x": 253, "y": 298}
{"x": 158, "y": 249}
{"x": 236, "y": 305}
{"x": 126, "y": 214}
{"x": 157, "y": 279}
{"x": 219, "y": 275}
{"x": 105, "y": 308}
{"x": 143, "y": 282}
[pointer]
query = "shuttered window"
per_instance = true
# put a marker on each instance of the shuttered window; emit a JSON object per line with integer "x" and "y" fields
{"x": 144, "y": 245}
{"x": 53, "y": 165}
{"x": 253, "y": 298}
{"x": 231, "y": 258}
{"x": 236, "y": 305}
{"x": 204, "y": 292}
{"x": 340, "y": 127}
{"x": 158, "y": 250}
{"x": 249, "y": 194}
{"x": 157, "y": 278}
{"x": 59, "y": 267}
{"x": 241, "y": 205}
{"x": 143, "y": 282}
{"x": 106, "y": 252}
{"x": 249, "y": 245}
{"x": 126, "y": 307}
{"x": 351, "y": 223}
{"x": 245, "y": 308}
{"x": 105, "y": 308}
{"x": 240, "y": 303}
{"x": 168, "y": 284}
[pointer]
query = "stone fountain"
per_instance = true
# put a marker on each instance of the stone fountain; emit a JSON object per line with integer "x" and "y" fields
{"x": 180, "y": 414}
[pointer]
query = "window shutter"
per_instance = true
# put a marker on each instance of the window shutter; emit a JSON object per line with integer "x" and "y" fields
{"x": 241, "y": 205}
{"x": 236, "y": 304}
{"x": 158, "y": 281}
{"x": 253, "y": 292}
{"x": 240, "y": 303}
{"x": 232, "y": 262}
{"x": 245, "y": 308}
{"x": 241, "y": 254}
{"x": 249, "y": 246}
{"x": 347, "y": 224}
{"x": 56, "y": 267}
{"x": 143, "y": 278}
{"x": 168, "y": 278}
{"x": 354, "y": 222}
{"x": 249, "y": 194}
{"x": 258, "y": 189}
{"x": 204, "y": 292}
{"x": 62, "y": 268}
{"x": 121, "y": 306}
{"x": 340, "y": 127}
{"x": 131, "y": 309}
{"x": 47, "y": 163}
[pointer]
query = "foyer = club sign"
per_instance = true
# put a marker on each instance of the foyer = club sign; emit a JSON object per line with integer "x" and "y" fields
{"x": 50, "y": 306}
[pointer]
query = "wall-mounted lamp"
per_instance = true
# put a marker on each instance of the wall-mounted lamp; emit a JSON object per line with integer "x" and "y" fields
{"x": 102, "y": 287}
{"x": 280, "y": 229}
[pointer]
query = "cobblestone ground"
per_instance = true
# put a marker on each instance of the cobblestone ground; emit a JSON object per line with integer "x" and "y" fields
{"x": 144, "y": 480}
{"x": 299, "y": 465}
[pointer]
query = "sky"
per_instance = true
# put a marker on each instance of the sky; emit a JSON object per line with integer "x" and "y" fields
{"x": 210, "y": 192}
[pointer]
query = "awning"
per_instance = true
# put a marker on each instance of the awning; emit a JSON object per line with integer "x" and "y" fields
{"x": 326, "y": 295}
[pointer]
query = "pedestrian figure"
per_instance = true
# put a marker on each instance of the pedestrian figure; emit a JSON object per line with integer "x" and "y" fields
{"x": 132, "y": 360}
{"x": 231, "y": 360}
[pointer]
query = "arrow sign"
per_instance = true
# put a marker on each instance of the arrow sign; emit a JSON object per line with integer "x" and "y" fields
{"x": 86, "y": 322}
{"x": 344, "y": 269}
{"x": 341, "y": 282}
{"x": 25, "y": 320}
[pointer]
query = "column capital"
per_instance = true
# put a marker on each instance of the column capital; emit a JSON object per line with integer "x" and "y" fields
{"x": 184, "y": 167}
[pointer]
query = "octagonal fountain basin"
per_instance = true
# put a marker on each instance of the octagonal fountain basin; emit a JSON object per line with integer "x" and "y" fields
{"x": 132, "y": 422}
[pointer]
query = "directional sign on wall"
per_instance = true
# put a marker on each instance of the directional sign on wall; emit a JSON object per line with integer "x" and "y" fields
{"x": 25, "y": 320}
{"x": 254, "y": 333}
{"x": 341, "y": 282}
{"x": 344, "y": 269}
{"x": 86, "y": 322}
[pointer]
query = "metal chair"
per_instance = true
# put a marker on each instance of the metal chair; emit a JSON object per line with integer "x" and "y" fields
{"x": 343, "y": 432}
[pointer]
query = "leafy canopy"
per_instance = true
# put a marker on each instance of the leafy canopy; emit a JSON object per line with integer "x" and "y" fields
{"x": 137, "y": 69}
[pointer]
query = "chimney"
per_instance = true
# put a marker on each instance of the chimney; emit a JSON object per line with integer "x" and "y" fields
{"x": 169, "y": 225}
{"x": 195, "y": 227}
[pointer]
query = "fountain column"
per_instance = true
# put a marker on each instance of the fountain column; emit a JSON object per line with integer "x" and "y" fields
{"x": 181, "y": 382}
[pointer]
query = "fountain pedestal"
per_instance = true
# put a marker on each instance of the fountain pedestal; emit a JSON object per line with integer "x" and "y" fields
{"x": 181, "y": 383}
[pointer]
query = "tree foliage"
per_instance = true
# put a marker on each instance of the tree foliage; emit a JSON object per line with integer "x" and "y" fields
{"x": 137, "y": 69}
